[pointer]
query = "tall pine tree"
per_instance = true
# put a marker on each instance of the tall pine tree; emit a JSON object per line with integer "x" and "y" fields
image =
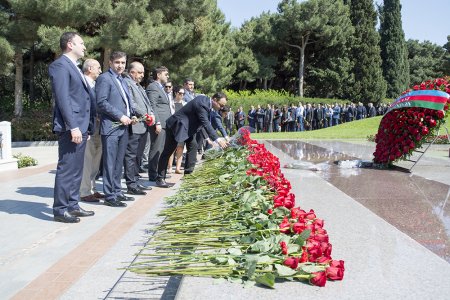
{"x": 393, "y": 48}
{"x": 369, "y": 85}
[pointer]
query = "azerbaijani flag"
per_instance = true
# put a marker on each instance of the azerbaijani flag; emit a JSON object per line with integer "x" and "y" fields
{"x": 431, "y": 99}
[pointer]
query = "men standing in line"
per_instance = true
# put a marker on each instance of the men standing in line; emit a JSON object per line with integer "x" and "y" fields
{"x": 188, "y": 90}
{"x": 251, "y": 117}
{"x": 138, "y": 136}
{"x": 182, "y": 127}
{"x": 260, "y": 114}
{"x": 336, "y": 114}
{"x": 73, "y": 121}
{"x": 161, "y": 108}
{"x": 239, "y": 118}
{"x": 268, "y": 119}
{"x": 113, "y": 102}
{"x": 93, "y": 153}
{"x": 229, "y": 121}
{"x": 300, "y": 114}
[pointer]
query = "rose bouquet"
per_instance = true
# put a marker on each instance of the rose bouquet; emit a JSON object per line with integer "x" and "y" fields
{"x": 148, "y": 119}
{"x": 414, "y": 118}
{"x": 236, "y": 218}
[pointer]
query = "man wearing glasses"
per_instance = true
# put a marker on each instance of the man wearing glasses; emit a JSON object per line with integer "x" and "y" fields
{"x": 182, "y": 127}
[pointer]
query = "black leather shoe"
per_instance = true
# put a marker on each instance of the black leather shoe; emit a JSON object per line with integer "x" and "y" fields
{"x": 115, "y": 203}
{"x": 134, "y": 191}
{"x": 66, "y": 218}
{"x": 143, "y": 187}
{"x": 82, "y": 213}
{"x": 124, "y": 198}
{"x": 162, "y": 183}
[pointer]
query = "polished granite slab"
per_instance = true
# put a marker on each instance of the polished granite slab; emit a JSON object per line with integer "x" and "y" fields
{"x": 414, "y": 204}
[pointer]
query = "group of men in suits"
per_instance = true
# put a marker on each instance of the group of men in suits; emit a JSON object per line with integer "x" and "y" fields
{"x": 121, "y": 103}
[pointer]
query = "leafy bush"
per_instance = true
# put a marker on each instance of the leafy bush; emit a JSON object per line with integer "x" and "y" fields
{"x": 34, "y": 125}
{"x": 25, "y": 160}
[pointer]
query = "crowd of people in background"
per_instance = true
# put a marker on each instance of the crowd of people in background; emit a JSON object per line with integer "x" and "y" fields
{"x": 274, "y": 118}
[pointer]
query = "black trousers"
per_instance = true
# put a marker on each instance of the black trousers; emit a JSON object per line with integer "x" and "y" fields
{"x": 169, "y": 147}
{"x": 131, "y": 162}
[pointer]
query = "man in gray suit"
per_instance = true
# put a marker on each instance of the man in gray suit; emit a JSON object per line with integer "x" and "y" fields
{"x": 138, "y": 137}
{"x": 161, "y": 107}
{"x": 114, "y": 105}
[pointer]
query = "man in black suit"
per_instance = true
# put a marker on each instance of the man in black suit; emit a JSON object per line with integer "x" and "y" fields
{"x": 161, "y": 108}
{"x": 73, "y": 121}
{"x": 114, "y": 105}
{"x": 182, "y": 127}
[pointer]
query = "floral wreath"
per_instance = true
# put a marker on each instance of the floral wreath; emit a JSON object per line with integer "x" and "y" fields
{"x": 411, "y": 120}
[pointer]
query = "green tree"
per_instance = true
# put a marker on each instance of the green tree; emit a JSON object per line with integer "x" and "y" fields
{"x": 25, "y": 20}
{"x": 446, "y": 64}
{"x": 318, "y": 26}
{"x": 265, "y": 48}
{"x": 369, "y": 84}
{"x": 393, "y": 48}
{"x": 246, "y": 64}
{"x": 425, "y": 60}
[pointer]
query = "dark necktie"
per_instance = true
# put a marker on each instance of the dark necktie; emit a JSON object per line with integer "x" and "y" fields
{"x": 127, "y": 92}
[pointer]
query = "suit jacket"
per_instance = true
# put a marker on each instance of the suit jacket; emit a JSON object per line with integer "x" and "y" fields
{"x": 216, "y": 122}
{"x": 141, "y": 105}
{"x": 160, "y": 103}
{"x": 190, "y": 118}
{"x": 111, "y": 103}
{"x": 74, "y": 99}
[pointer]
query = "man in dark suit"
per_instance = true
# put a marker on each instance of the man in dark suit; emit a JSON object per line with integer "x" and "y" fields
{"x": 161, "y": 107}
{"x": 182, "y": 127}
{"x": 73, "y": 121}
{"x": 138, "y": 136}
{"x": 114, "y": 106}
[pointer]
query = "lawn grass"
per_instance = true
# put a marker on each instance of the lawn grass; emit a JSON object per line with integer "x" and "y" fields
{"x": 353, "y": 130}
{"x": 360, "y": 129}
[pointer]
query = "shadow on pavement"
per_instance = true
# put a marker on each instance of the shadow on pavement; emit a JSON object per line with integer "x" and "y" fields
{"x": 34, "y": 209}
{"x": 44, "y": 192}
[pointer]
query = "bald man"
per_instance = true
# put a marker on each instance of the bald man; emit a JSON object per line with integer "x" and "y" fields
{"x": 93, "y": 154}
{"x": 138, "y": 136}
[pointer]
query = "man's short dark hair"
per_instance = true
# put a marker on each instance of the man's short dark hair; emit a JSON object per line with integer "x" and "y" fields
{"x": 65, "y": 38}
{"x": 219, "y": 95}
{"x": 187, "y": 80}
{"x": 225, "y": 109}
{"x": 158, "y": 70}
{"x": 117, "y": 54}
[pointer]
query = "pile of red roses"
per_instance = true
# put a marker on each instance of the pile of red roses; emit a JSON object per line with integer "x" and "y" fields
{"x": 317, "y": 248}
{"x": 403, "y": 130}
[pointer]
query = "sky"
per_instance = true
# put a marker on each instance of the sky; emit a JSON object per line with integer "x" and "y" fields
{"x": 422, "y": 20}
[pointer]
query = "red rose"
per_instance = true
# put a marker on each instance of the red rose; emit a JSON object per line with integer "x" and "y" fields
{"x": 304, "y": 257}
{"x": 291, "y": 262}
{"x": 440, "y": 114}
{"x": 298, "y": 227}
{"x": 319, "y": 279}
{"x": 285, "y": 226}
{"x": 337, "y": 264}
{"x": 432, "y": 123}
{"x": 270, "y": 211}
{"x": 334, "y": 273}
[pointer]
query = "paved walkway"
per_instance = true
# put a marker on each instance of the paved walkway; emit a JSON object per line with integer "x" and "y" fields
{"x": 42, "y": 259}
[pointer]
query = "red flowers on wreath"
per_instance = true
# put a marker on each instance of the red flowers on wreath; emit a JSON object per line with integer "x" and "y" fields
{"x": 411, "y": 121}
